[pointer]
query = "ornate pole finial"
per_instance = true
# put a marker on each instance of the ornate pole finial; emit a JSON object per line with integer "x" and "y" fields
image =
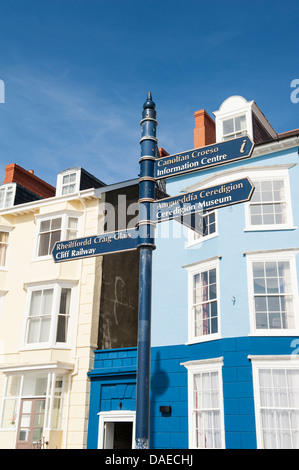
{"x": 149, "y": 102}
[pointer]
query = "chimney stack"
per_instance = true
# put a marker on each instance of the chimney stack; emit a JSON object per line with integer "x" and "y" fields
{"x": 204, "y": 131}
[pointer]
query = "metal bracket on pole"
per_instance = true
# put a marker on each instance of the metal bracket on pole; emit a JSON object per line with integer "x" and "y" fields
{"x": 146, "y": 245}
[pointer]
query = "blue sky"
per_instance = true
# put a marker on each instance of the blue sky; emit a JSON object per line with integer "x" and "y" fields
{"x": 77, "y": 72}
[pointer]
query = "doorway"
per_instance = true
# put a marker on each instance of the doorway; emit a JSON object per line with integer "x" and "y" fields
{"x": 31, "y": 423}
{"x": 116, "y": 430}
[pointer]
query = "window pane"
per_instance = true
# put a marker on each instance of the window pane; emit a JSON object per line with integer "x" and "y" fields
{"x": 207, "y": 417}
{"x": 44, "y": 240}
{"x": 205, "y": 303}
{"x": 66, "y": 179}
{"x": 279, "y": 412}
{"x": 273, "y": 209}
{"x": 65, "y": 301}
{"x": 45, "y": 226}
{"x": 34, "y": 386}
{"x": 56, "y": 413}
{"x": 47, "y": 302}
{"x": 50, "y": 232}
{"x": 9, "y": 413}
{"x": 61, "y": 329}
{"x": 240, "y": 123}
{"x": 13, "y": 385}
{"x": 9, "y": 198}
{"x": 56, "y": 224}
{"x": 72, "y": 228}
{"x": 35, "y": 305}
{"x": 37, "y": 434}
{"x": 228, "y": 126}
{"x": 3, "y": 247}
{"x": 45, "y": 330}
{"x": 273, "y": 310}
{"x": 33, "y": 331}
{"x": 55, "y": 237}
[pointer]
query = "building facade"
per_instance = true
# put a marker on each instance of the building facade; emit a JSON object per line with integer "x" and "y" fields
{"x": 49, "y": 313}
{"x": 225, "y": 317}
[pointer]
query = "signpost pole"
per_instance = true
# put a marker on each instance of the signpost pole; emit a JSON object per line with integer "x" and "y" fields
{"x": 146, "y": 245}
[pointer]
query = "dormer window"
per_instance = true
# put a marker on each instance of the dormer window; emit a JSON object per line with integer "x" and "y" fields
{"x": 7, "y": 195}
{"x": 73, "y": 180}
{"x": 237, "y": 117}
{"x": 234, "y": 127}
{"x": 68, "y": 182}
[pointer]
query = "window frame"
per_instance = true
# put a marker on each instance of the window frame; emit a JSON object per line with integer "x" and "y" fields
{"x": 192, "y": 234}
{"x": 5, "y": 188}
{"x": 57, "y": 288}
{"x": 8, "y": 230}
{"x": 290, "y": 362}
{"x": 271, "y": 175}
{"x": 234, "y": 135}
{"x": 193, "y": 270}
{"x": 60, "y": 185}
{"x": 65, "y": 216}
{"x": 271, "y": 256}
{"x": 199, "y": 367}
{"x": 51, "y": 394}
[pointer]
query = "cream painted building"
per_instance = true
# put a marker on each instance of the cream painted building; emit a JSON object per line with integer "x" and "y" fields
{"x": 49, "y": 312}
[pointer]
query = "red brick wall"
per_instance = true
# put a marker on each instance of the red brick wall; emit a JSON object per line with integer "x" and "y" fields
{"x": 204, "y": 131}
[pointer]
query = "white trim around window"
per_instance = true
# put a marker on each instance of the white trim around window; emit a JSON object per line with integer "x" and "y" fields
{"x": 205, "y": 404}
{"x": 203, "y": 301}
{"x": 279, "y": 204}
{"x": 273, "y": 292}
{"x": 62, "y": 225}
{"x": 21, "y": 383}
{"x": 211, "y": 221}
{"x": 4, "y": 246}
{"x": 68, "y": 182}
{"x": 276, "y": 401}
{"x": 270, "y": 207}
{"x": 7, "y": 195}
{"x": 50, "y": 311}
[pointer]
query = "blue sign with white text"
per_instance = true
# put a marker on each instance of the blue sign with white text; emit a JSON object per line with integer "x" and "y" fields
{"x": 97, "y": 245}
{"x": 214, "y": 197}
{"x": 204, "y": 157}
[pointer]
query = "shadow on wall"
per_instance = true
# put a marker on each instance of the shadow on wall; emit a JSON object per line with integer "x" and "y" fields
{"x": 159, "y": 387}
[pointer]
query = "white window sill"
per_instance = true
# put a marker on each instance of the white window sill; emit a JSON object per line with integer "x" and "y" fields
{"x": 35, "y": 347}
{"x": 204, "y": 339}
{"x": 274, "y": 332}
{"x": 267, "y": 228}
{"x": 42, "y": 258}
{"x": 192, "y": 243}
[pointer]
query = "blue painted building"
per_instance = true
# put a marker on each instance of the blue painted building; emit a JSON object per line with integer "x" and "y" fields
{"x": 225, "y": 316}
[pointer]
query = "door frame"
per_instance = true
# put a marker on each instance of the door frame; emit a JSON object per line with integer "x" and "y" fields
{"x": 31, "y": 416}
{"x": 111, "y": 417}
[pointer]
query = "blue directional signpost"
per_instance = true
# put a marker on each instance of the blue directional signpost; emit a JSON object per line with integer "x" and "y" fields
{"x": 202, "y": 158}
{"x": 214, "y": 197}
{"x": 108, "y": 242}
{"x": 151, "y": 212}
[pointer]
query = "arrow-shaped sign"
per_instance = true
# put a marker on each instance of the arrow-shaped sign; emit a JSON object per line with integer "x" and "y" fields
{"x": 97, "y": 245}
{"x": 214, "y": 197}
{"x": 204, "y": 157}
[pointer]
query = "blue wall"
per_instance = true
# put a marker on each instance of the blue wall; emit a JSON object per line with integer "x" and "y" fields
{"x": 113, "y": 382}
